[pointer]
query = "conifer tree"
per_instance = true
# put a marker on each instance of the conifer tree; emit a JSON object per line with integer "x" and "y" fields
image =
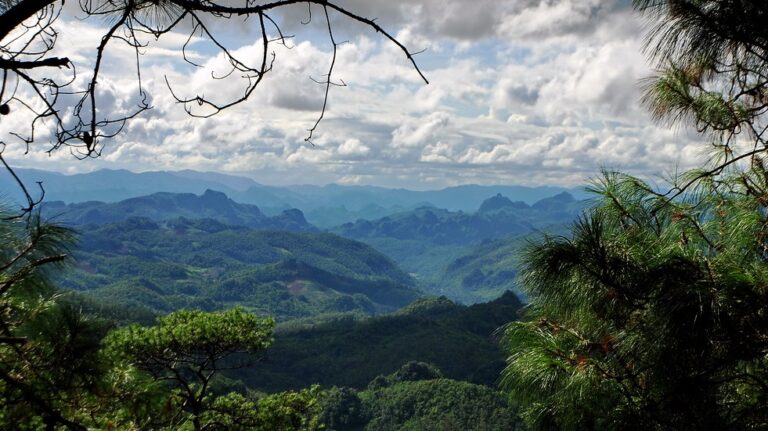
{"x": 653, "y": 313}
{"x": 188, "y": 349}
{"x": 49, "y": 362}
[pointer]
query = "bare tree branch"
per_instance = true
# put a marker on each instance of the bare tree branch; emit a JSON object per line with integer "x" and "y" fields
{"x": 27, "y": 38}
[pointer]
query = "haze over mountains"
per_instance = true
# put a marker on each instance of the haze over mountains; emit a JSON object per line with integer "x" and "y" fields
{"x": 497, "y": 217}
{"x": 467, "y": 256}
{"x": 459, "y": 242}
{"x": 166, "y": 206}
{"x": 464, "y": 249}
{"x": 339, "y": 203}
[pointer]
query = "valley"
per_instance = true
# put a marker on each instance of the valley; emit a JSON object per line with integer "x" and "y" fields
{"x": 355, "y": 303}
{"x": 465, "y": 255}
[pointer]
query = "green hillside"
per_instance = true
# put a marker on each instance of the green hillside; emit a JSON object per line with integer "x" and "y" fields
{"x": 468, "y": 257}
{"x": 164, "y": 266}
{"x": 417, "y": 397}
{"x": 351, "y": 352}
{"x": 483, "y": 273}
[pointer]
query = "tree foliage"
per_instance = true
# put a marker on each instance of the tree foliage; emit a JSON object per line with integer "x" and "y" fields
{"x": 652, "y": 313}
{"x": 48, "y": 361}
{"x": 188, "y": 349}
{"x": 351, "y": 352}
{"x": 439, "y": 405}
{"x": 417, "y": 397}
{"x": 285, "y": 411}
{"x": 192, "y": 337}
{"x": 59, "y": 371}
{"x": 712, "y": 59}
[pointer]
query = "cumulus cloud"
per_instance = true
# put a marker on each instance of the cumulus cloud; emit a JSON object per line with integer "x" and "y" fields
{"x": 418, "y": 131}
{"x": 353, "y": 148}
{"x": 528, "y": 92}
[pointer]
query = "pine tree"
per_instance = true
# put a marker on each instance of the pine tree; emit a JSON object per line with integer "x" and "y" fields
{"x": 653, "y": 312}
{"x": 49, "y": 362}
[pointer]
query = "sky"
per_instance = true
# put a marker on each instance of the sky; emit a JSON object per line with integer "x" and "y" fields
{"x": 527, "y": 92}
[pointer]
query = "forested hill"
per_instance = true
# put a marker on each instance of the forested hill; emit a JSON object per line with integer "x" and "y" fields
{"x": 446, "y": 251}
{"x": 458, "y": 339}
{"x": 165, "y": 206}
{"x": 164, "y": 266}
{"x": 497, "y": 217}
{"x": 468, "y": 257}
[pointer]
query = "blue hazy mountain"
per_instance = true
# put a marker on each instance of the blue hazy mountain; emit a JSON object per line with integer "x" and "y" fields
{"x": 320, "y": 201}
{"x": 460, "y": 198}
{"x": 116, "y": 185}
{"x": 166, "y": 206}
{"x": 497, "y": 217}
{"x": 469, "y": 257}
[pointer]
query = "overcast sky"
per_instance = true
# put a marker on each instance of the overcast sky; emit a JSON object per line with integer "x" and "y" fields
{"x": 521, "y": 92}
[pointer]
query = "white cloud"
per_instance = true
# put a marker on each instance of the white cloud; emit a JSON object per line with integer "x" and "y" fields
{"x": 531, "y": 91}
{"x": 353, "y": 148}
{"x": 417, "y": 132}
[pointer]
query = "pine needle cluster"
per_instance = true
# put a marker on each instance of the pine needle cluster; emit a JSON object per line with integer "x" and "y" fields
{"x": 653, "y": 312}
{"x": 651, "y": 315}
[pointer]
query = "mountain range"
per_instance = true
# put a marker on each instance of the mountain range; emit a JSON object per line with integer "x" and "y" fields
{"x": 161, "y": 266}
{"x": 166, "y": 206}
{"x": 464, "y": 250}
{"x": 324, "y": 206}
{"x": 467, "y": 256}
{"x": 497, "y": 217}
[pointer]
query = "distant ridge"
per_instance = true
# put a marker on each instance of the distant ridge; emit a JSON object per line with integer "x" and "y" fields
{"x": 497, "y": 217}
{"x": 499, "y": 202}
{"x": 558, "y": 201}
{"x": 467, "y": 256}
{"x": 166, "y": 206}
{"x": 117, "y": 185}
